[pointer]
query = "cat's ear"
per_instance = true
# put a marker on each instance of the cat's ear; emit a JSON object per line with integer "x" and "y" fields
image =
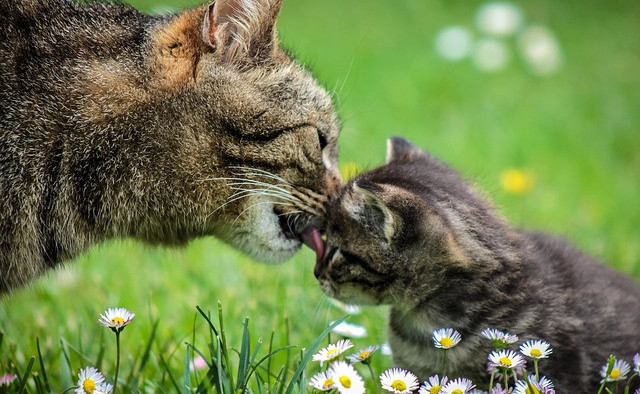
{"x": 242, "y": 30}
{"x": 373, "y": 211}
{"x": 399, "y": 150}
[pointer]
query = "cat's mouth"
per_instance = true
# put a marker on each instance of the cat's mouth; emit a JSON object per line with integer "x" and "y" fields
{"x": 310, "y": 235}
{"x": 312, "y": 238}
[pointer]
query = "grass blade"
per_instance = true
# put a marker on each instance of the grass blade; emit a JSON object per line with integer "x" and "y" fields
{"x": 211, "y": 326}
{"x": 225, "y": 349}
{"x": 67, "y": 377}
{"x": 145, "y": 355}
{"x": 168, "y": 371}
{"x": 42, "y": 368}
{"x": 243, "y": 362}
{"x": 298, "y": 374}
{"x": 186, "y": 378}
{"x": 288, "y": 360}
{"x": 23, "y": 382}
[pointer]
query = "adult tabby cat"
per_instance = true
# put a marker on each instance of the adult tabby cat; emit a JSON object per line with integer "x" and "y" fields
{"x": 118, "y": 124}
{"x": 414, "y": 235}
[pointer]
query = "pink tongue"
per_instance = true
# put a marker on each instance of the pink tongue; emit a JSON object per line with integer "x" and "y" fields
{"x": 311, "y": 237}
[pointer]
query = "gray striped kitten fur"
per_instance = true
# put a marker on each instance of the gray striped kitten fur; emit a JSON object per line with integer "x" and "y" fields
{"x": 118, "y": 124}
{"x": 414, "y": 235}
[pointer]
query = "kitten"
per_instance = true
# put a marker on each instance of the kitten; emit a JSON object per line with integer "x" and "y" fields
{"x": 119, "y": 124}
{"x": 414, "y": 235}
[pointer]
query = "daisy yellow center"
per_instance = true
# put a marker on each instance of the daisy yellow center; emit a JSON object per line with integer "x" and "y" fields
{"x": 89, "y": 385}
{"x": 365, "y": 354}
{"x": 117, "y": 320}
{"x": 506, "y": 361}
{"x": 435, "y": 389}
{"x": 345, "y": 381}
{"x": 615, "y": 373}
{"x": 446, "y": 342}
{"x": 456, "y": 391}
{"x": 328, "y": 383}
{"x": 532, "y": 390}
{"x": 332, "y": 353}
{"x": 536, "y": 352}
{"x": 399, "y": 385}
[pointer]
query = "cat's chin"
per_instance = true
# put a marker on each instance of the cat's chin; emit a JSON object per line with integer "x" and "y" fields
{"x": 348, "y": 294}
{"x": 258, "y": 232}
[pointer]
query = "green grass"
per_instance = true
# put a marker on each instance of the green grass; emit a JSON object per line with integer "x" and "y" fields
{"x": 578, "y": 131}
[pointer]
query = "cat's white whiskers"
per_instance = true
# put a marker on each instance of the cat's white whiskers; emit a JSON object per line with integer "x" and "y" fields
{"x": 261, "y": 172}
{"x": 266, "y": 192}
{"x": 256, "y": 205}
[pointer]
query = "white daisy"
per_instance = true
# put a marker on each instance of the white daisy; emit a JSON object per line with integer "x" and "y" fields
{"x": 636, "y": 363}
{"x": 348, "y": 308}
{"x": 332, "y": 351}
{"x": 434, "y": 385}
{"x": 399, "y": 381}
{"x": 116, "y": 318}
{"x": 89, "y": 379}
{"x": 499, "y": 390}
{"x": 104, "y": 389}
{"x": 363, "y": 355}
{"x": 385, "y": 349}
{"x": 499, "y": 338}
{"x": 346, "y": 379}
{"x": 458, "y": 386}
{"x": 536, "y": 349}
{"x": 506, "y": 359}
{"x": 619, "y": 372}
{"x": 446, "y": 338}
{"x": 350, "y": 330}
{"x": 322, "y": 382}
{"x": 542, "y": 386}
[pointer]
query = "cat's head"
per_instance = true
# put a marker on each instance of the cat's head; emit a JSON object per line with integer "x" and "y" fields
{"x": 269, "y": 128}
{"x": 394, "y": 234}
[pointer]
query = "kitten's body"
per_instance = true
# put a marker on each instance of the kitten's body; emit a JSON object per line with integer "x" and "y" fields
{"x": 414, "y": 235}
{"x": 118, "y": 124}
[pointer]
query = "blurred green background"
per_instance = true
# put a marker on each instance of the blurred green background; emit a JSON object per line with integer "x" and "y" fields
{"x": 573, "y": 136}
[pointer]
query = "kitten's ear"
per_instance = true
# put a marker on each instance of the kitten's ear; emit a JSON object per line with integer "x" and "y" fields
{"x": 242, "y": 30}
{"x": 399, "y": 150}
{"x": 374, "y": 212}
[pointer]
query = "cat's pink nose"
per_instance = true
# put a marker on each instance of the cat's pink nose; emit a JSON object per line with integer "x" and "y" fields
{"x": 312, "y": 238}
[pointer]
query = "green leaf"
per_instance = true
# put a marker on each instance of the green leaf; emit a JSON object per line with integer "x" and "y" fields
{"x": 42, "y": 367}
{"x": 23, "y": 381}
{"x": 243, "y": 362}
{"x": 186, "y": 377}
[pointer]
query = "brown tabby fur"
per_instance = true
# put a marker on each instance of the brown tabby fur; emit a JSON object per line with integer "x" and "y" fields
{"x": 118, "y": 124}
{"x": 414, "y": 235}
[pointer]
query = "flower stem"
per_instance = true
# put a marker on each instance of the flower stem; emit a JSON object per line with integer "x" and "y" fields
{"x": 444, "y": 362}
{"x": 610, "y": 362}
{"x": 493, "y": 375}
{"x": 373, "y": 378}
{"x": 71, "y": 388}
{"x": 626, "y": 389}
{"x": 506, "y": 377}
{"x": 115, "y": 379}
{"x": 535, "y": 364}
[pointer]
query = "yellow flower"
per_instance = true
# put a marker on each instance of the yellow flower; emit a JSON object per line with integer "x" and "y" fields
{"x": 517, "y": 181}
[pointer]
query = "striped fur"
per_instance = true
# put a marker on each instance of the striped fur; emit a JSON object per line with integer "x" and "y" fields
{"x": 118, "y": 124}
{"x": 451, "y": 261}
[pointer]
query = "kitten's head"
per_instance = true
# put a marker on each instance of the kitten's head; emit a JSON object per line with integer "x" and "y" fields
{"x": 267, "y": 131}
{"x": 402, "y": 231}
